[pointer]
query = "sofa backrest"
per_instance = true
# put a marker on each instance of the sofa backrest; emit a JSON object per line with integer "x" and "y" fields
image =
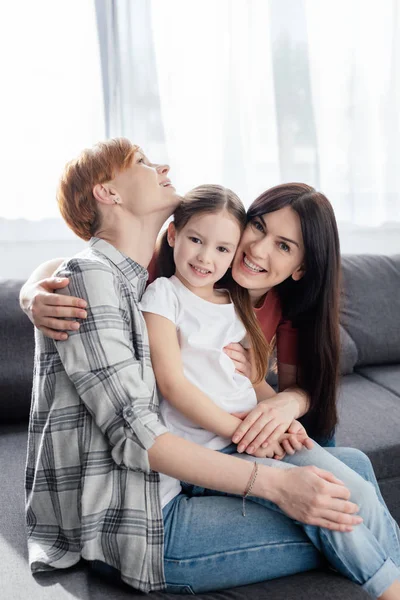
{"x": 348, "y": 353}
{"x": 370, "y": 311}
{"x": 16, "y": 355}
{"x": 370, "y": 332}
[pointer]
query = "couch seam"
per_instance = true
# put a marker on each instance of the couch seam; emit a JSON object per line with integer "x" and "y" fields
{"x": 376, "y": 383}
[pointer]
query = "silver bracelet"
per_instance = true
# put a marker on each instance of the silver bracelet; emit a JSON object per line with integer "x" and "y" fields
{"x": 249, "y": 487}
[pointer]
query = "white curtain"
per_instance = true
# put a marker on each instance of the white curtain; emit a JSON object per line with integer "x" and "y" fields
{"x": 246, "y": 93}
{"x": 354, "y": 50}
{"x": 51, "y": 105}
{"x": 251, "y": 93}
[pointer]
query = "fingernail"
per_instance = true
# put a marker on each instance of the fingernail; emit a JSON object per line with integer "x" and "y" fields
{"x": 82, "y": 304}
{"x": 83, "y": 315}
{"x": 64, "y": 336}
{"x": 240, "y": 448}
{"x": 265, "y": 444}
{"x": 359, "y": 519}
{"x": 58, "y": 279}
{"x": 235, "y": 439}
{"x": 250, "y": 450}
{"x": 75, "y": 325}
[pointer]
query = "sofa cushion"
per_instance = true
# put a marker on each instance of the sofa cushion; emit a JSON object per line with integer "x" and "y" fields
{"x": 369, "y": 419}
{"x": 370, "y": 307}
{"x": 16, "y": 355}
{"x": 387, "y": 376}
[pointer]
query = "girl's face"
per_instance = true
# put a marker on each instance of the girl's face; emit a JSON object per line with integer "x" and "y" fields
{"x": 271, "y": 250}
{"x": 204, "y": 248}
{"x": 145, "y": 187}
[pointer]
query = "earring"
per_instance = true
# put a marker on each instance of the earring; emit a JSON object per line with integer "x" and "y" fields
{"x": 117, "y": 200}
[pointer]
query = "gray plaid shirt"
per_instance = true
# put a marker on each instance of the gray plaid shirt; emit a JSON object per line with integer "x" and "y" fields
{"x": 90, "y": 491}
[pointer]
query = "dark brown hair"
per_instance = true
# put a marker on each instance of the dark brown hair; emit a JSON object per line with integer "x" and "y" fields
{"x": 312, "y": 303}
{"x": 214, "y": 199}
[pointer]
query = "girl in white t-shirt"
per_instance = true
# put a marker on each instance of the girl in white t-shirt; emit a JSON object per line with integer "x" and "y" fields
{"x": 190, "y": 321}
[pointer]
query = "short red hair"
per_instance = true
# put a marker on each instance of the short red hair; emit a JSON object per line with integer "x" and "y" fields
{"x": 95, "y": 165}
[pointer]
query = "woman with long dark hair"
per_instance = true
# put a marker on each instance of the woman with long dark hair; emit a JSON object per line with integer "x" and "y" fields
{"x": 292, "y": 242}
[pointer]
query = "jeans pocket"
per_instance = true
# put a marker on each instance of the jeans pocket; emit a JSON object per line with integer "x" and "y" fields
{"x": 176, "y": 588}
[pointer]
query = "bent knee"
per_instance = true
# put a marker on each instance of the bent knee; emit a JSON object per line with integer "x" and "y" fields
{"x": 362, "y": 483}
{"x": 358, "y": 462}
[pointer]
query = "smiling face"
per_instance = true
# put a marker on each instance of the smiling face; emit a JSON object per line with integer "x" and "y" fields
{"x": 204, "y": 248}
{"x": 145, "y": 187}
{"x": 271, "y": 250}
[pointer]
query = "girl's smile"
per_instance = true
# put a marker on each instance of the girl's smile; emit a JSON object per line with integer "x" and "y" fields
{"x": 199, "y": 271}
{"x": 204, "y": 249}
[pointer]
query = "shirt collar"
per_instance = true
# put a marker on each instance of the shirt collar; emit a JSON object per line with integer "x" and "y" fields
{"x": 270, "y": 299}
{"x": 135, "y": 273}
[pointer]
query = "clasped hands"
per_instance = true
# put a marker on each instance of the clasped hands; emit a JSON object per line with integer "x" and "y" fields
{"x": 265, "y": 432}
{"x": 271, "y": 429}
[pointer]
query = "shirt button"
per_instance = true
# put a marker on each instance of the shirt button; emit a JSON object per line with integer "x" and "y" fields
{"x": 129, "y": 413}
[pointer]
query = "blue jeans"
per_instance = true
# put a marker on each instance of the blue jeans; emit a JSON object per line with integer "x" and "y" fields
{"x": 209, "y": 545}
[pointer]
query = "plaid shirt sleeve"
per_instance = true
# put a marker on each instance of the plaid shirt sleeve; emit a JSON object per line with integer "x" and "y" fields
{"x": 105, "y": 361}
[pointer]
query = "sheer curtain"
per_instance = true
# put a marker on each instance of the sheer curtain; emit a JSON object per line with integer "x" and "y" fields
{"x": 247, "y": 93}
{"x": 251, "y": 93}
{"x": 51, "y": 104}
{"x": 354, "y": 51}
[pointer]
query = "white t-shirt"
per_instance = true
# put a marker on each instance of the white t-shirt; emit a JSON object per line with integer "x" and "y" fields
{"x": 204, "y": 329}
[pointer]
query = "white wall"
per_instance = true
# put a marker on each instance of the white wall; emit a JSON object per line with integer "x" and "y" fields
{"x": 19, "y": 258}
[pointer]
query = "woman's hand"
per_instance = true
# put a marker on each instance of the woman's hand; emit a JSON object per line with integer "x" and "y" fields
{"x": 47, "y": 310}
{"x": 316, "y": 497}
{"x": 266, "y": 422}
{"x": 242, "y": 359}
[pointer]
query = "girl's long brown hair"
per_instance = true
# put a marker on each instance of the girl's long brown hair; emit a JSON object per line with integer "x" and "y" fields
{"x": 312, "y": 304}
{"x": 214, "y": 199}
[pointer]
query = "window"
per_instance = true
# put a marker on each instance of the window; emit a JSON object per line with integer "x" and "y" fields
{"x": 51, "y": 99}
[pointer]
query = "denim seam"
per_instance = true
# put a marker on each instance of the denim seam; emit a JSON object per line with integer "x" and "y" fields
{"x": 188, "y": 588}
{"x": 391, "y": 523}
{"x": 395, "y": 537}
{"x": 237, "y": 551}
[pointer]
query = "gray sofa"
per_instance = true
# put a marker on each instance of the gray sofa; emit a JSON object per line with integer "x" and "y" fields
{"x": 369, "y": 419}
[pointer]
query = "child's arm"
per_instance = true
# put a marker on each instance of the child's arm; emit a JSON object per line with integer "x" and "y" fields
{"x": 173, "y": 385}
{"x": 264, "y": 391}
